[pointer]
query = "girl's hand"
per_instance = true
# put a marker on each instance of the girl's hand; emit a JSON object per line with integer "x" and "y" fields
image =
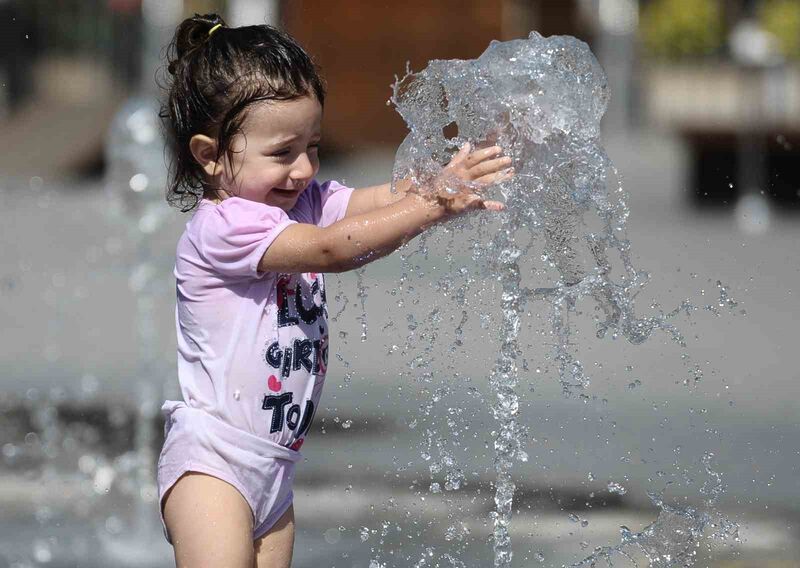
{"x": 457, "y": 188}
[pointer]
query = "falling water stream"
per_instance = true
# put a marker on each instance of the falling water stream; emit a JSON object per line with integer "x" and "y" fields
{"x": 542, "y": 100}
{"x": 134, "y": 177}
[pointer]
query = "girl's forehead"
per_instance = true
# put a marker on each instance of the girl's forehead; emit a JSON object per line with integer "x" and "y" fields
{"x": 284, "y": 118}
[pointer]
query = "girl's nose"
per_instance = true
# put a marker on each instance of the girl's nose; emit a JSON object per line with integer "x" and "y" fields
{"x": 302, "y": 169}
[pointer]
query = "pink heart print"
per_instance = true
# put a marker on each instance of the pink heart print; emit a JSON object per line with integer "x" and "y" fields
{"x": 274, "y": 384}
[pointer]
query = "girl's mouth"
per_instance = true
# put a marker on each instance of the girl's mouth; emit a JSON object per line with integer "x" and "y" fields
{"x": 284, "y": 192}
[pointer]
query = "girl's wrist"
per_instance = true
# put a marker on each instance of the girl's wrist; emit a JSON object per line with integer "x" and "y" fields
{"x": 434, "y": 208}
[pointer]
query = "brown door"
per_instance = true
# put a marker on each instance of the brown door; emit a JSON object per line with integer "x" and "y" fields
{"x": 362, "y": 44}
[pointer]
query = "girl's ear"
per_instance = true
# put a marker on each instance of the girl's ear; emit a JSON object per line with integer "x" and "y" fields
{"x": 204, "y": 150}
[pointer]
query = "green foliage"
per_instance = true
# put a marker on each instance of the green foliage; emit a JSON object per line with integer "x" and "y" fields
{"x": 676, "y": 29}
{"x": 781, "y": 18}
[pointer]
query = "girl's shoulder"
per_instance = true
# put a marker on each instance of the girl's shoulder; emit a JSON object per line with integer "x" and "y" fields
{"x": 233, "y": 219}
{"x": 231, "y": 208}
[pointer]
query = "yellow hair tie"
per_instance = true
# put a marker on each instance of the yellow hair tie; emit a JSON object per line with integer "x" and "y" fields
{"x": 215, "y": 28}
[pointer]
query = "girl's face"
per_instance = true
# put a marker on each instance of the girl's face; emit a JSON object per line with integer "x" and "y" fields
{"x": 275, "y": 157}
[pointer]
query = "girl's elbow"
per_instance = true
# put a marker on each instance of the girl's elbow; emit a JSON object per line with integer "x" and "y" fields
{"x": 332, "y": 261}
{"x": 337, "y": 264}
{"x": 340, "y": 261}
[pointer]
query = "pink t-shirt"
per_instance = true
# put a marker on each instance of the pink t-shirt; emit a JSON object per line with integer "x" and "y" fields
{"x": 253, "y": 347}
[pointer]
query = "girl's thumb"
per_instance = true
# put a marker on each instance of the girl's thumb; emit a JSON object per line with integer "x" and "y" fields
{"x": 494, "y": 205}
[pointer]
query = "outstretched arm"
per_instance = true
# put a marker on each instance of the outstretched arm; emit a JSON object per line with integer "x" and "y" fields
{"x": 353, "y": 241}
{"x": 381, "y": 221}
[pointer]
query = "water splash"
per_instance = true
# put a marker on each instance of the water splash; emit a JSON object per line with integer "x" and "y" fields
{"x": 672, "y": 540}
{"x": 135, "y": 174}
{"x": 541, "y": 100}
{"x": 675, "y": 537}
{"x": 362, "y": 293}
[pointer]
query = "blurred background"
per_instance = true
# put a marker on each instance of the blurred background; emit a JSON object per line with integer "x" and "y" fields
{"x": 704, "y": 128}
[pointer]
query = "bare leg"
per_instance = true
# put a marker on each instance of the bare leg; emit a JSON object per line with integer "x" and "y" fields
{"x": 274, "y": 549}
{"x": 209, "y": 522}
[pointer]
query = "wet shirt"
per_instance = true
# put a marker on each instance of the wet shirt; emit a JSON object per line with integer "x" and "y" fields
{"x": 252, "y": 346}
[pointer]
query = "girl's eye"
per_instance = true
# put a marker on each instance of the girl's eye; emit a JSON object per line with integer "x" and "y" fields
{"x": 280, "y": 153}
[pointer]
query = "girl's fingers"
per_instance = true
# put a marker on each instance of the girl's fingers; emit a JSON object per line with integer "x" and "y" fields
{"x": 489, "y": 167}
{"x": 494, "y": 205}
{"x": 461, "y": 155}
{"x": 476, "y": 202}
{"x": 479, "y": 156}
{"x": 497, "y": 177}
{"x": 472, "y": 201}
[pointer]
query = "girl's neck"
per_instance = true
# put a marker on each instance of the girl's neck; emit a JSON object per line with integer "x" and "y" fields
{"x": 215, "y": 196}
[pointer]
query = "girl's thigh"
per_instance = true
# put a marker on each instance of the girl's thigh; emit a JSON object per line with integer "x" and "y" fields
{"x": 209, "y": 522}
{"x": 274, "y": 549}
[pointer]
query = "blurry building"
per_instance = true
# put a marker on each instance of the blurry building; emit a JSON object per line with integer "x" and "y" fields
{"x": 66, "y": 67}
{"x": 725, "y": 77}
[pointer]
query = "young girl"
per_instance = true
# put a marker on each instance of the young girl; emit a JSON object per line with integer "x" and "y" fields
{"x": 243, "y": 118}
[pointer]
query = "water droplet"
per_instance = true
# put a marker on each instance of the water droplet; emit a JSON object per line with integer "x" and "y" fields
{"x": 36, "y": 183}
{"x": 332, "y": 536}
{"x": 114, "y": 525}
{"x": 139, "y": 182}
{"x": 753, "y": 215}
{"x": 41, "y": 551}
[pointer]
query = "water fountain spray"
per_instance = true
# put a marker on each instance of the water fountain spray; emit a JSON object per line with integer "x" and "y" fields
{"x": 136, "y": 174}
{"x": 541, "y": 100}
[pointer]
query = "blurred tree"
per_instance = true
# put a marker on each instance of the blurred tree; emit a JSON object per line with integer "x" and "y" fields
{"x": 781, "y": 18}
{"x": 676, "y": 29}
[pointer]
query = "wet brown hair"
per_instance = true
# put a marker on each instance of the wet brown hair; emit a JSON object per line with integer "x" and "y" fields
{"x": 214, "y": 79}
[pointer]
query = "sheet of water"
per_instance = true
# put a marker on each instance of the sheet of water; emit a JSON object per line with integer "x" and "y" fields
{"x": 542, "y": 100}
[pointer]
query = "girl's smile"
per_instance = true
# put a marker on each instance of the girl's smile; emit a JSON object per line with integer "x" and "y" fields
{"x": 276, "y": 155}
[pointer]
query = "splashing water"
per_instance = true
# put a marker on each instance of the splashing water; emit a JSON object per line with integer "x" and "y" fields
{"x": 541, "y": 100}
{"x": 673, "y": 539}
